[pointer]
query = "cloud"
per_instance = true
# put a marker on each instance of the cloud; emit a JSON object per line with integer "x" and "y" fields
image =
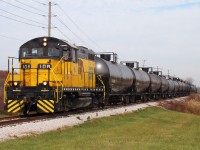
{"x": 171, "y": 7}
{"x": 136, "y": 6}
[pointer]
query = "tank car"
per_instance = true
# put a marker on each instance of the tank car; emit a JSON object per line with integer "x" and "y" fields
{"x": 141, "y": 80}
{"x": 118, "y": 79}
{"x": 193, "y": 88}
{"x": 155, "y": 84}
{"x": 164, "y": 84}
{"x": 171, "y": 87}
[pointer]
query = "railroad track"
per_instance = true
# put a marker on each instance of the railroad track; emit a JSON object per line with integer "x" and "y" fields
{"x": 14, "y": 120}
{"x": 18, "y": 119}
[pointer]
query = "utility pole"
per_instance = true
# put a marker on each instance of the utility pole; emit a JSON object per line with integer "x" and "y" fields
{"x": 49, "y": 20}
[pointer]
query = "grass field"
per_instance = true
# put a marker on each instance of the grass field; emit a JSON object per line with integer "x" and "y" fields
{"x": 151, "y": 128}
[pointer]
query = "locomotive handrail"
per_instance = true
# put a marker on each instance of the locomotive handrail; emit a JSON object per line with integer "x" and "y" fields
{"x": 56, "y": 79}
{"x": 58, "y": 63}
{"x": 104, "y": 91}
{"x": 56, "y": 84}
{"x": 5, "y": 96}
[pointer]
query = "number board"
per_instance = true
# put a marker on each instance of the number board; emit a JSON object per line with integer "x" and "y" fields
{"x": 26, "y": 66}
{"x": 44, "y": 66}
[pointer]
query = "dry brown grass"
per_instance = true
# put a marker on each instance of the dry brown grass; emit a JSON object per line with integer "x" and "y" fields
{"x": 3, "y": 75}
{"x": 189, "y": 105}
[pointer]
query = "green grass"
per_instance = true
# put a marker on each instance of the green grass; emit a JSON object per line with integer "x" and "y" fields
{"x": 151, "y": 128}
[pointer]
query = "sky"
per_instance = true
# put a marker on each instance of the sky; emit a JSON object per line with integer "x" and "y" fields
{"x": 157, "y": 33}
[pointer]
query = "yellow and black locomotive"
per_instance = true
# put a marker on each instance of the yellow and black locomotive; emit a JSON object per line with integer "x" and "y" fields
{"x": 53, "y": 75}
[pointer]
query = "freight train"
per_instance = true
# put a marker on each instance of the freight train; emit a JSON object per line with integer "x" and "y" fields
{"x": 54, "y": 75}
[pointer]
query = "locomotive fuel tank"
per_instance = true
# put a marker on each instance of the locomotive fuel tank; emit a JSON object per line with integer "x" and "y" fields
{"x": 142, "y": 80}
{"x": 119, "y": 77}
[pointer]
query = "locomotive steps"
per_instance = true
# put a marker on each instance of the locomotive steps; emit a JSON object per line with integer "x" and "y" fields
{"x": 42, "y": 126}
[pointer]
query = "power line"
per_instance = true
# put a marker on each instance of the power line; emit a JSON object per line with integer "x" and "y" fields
{"x": 64, "y": 34}
{"x": 61, "y": 32}
{"x": 8, "y": 37}
{"x": 30, "y": 6}
{"x": 38, "y": 2}
{"x": 22, "y": 8}
{"x": 23, "y": 17}
{"x": 70, "y": 29}
{"x": 78, "y": 26}
{"x": 21, "y": 21}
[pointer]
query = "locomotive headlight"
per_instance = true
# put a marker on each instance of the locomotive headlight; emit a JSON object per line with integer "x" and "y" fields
{"x": 15, "y": 83}
{"x": 45, "y": 83}
{"x": 45, "y": 39}
{"x": 44, "y": 43}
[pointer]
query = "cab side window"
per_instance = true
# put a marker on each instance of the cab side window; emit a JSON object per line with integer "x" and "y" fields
{"x": 66, "y": 55}
{"x": 74, "y": 55}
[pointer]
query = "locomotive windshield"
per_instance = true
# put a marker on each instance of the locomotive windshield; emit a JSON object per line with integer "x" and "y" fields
{"x": 43, "y": 47}
{"x": 39, "y": 52}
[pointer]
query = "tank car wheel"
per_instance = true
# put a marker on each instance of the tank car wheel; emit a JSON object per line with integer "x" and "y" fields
{"x": 124, "y": 100}
{"x": 101, "y": 105}
{"x": 127, "y": 100}
{"x": 132, "y": 99}
{"x": 156, "y": 97}
{"x": 144, "y": 98}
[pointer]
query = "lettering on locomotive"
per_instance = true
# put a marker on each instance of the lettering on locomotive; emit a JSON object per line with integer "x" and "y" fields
{"x": 44, "y": 66}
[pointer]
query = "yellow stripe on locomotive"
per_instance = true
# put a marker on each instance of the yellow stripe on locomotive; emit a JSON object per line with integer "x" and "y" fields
{"x": 14, "y": 106}
{"x": 46, "y": 106}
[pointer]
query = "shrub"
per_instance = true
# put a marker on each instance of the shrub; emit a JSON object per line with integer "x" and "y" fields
{"x": 190, "y": 105}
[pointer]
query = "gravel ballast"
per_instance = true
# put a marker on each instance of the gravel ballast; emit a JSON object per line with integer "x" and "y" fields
{"x": 38, "y": 127}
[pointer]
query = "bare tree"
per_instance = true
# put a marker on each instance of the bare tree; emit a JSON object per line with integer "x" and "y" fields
{"x": 190, "y": 80}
